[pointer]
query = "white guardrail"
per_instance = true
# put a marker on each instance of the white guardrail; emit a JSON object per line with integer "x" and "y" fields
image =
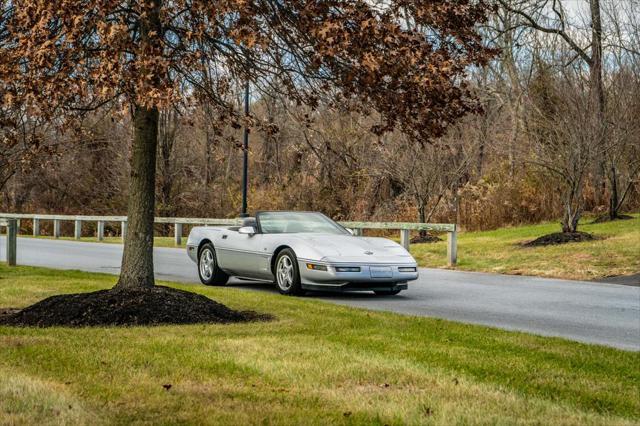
{"x": 405, "y": 228}
{"x": 12, "y": 238}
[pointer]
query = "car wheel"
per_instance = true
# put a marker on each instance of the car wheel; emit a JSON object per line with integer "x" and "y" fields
{"x": 287, "y": 273}
{"x": 208, "y": 269}
{"x": 386, "y": 292}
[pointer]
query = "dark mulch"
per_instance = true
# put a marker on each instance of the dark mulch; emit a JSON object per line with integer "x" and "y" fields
{"x": 419, "y": 239}
{"x": 560, "y": 238}
{"x": 5, "y": 312}
{"x": 606, "y": 218}
{"x": 154, "y": 306}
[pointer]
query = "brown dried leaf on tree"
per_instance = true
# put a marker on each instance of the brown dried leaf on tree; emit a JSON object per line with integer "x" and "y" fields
{"x": 403, "y": 59}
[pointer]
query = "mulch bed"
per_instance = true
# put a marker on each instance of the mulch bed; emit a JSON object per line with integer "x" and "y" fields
{"x": 560, "y": 238}
{"x": 151, "y": 306}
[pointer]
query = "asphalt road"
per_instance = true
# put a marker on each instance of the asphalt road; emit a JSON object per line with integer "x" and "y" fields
{"x": 606, "y": 314}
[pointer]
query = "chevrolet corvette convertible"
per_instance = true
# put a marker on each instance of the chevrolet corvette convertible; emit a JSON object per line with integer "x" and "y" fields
{"x": 300, "y": 251}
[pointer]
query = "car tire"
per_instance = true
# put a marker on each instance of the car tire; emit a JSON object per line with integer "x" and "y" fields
{"x": 208, "y": 269}
{"x": 287, "y": 273}
{"x": 386, "y": 292}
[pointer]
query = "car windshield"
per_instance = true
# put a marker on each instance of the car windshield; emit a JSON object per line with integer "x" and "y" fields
{"x": 294, "y": 222}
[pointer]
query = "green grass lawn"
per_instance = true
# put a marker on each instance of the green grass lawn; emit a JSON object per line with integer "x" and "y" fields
{"x": 316, "y": 364}
{"x": 615, "y": 252}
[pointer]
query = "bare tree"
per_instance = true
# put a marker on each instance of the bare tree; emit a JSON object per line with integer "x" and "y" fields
{"x": 431, "y": 171}
{"x": 621, "y": 159}
{"x": 622, "y": 148}
{"x": 611, "y": 27}
{"x": 560, "y": 127}
{"x": 550, "y": 17}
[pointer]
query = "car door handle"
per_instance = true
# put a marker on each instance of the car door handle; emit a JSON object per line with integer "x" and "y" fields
{"x": 224, "y": 237}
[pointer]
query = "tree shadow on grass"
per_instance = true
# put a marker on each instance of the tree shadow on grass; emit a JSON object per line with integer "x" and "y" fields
{"x": 271, "y": 288}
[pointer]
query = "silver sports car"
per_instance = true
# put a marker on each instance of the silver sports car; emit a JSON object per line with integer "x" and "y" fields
{"x": 300, "y": 251}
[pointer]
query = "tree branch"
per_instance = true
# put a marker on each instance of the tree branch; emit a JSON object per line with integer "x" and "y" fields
{"x": 535, "y": 25}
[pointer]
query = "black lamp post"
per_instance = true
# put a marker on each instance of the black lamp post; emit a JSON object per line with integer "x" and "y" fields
{"x": 245, "y": 153}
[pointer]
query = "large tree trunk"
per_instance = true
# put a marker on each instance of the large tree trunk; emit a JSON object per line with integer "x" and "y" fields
{"x": 137, "y": 260}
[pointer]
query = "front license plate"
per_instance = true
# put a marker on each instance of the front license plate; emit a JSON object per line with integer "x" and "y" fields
{"x": 381, "y": 272}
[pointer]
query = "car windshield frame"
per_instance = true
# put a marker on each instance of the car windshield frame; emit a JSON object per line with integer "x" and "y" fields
{"x": 323, "y": 219}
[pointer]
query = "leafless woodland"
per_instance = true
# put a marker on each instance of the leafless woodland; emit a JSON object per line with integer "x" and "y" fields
{"x": 559, "y": 135}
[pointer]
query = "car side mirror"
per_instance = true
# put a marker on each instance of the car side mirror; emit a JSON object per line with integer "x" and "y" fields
{"x": 249, "y": 230}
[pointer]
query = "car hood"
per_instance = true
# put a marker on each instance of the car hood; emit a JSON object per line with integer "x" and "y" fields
{"x": 349, "y": 248}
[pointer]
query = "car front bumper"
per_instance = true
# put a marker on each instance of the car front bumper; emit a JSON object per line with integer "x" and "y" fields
{"x": 369, "y": 277}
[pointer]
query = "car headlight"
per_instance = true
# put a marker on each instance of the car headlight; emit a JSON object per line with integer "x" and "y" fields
{"x": 406, "y": 269}
{"x": 347, "y": 269}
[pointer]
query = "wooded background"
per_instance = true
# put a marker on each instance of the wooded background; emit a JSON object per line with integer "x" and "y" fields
{"x": 548, "y": 144}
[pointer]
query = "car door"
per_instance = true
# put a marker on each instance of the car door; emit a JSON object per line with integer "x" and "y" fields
{"x": 242, "y": 254}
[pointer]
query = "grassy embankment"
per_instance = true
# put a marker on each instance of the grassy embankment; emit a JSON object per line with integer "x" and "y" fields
{"x": 317, "y": 364}
{"x": 615, "y": 252}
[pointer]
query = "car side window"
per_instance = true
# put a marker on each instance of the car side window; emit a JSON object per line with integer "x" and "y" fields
{"x": 273, "y": 226}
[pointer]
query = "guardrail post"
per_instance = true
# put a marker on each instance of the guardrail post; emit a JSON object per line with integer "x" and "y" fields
{"x": 77, "y": 233}
{"x": 36, "y": 227}
{"x": 178, "y": 233}
{"x": 12, "y": 241}
{"x": 452, "y": 247}
{"x": 123, "y": 229}
{"x": 100, "y": 230}
{"x": 405, "y": 238}
{"x": 56, "y": 228}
